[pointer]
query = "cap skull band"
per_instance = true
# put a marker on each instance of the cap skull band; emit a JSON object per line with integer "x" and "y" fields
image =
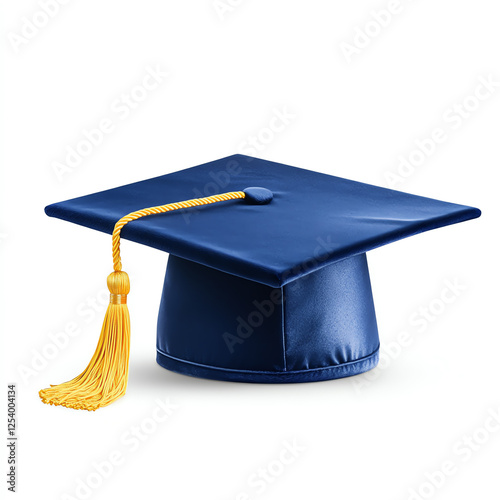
{"x": 267, "y": 279}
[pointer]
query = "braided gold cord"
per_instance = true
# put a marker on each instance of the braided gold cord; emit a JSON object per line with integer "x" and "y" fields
{"x": 161, "y": 209}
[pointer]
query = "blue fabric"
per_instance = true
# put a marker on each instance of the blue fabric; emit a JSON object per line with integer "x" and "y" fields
{"x": 201, "y": 309}
{"x": 329, "y": 316}
{"x": 215, "y": 325}
{"x": 313, "y": 219}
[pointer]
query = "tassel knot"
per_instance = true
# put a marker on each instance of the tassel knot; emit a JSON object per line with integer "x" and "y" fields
{"x": 118, "y": 283}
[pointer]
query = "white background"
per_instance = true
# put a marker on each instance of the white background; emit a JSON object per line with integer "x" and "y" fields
{"x": 229, "y": 70}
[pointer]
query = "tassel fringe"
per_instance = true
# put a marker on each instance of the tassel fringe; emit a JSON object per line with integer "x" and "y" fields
{"x": 105, "y": 378}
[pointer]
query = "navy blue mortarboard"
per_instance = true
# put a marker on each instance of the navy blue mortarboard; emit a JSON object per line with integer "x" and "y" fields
{"x": 273, "y": 287}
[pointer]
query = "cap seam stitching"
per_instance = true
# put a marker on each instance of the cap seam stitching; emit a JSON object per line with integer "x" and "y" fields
{"x": 319, "y": 368}
{"x": 283, "y": 326}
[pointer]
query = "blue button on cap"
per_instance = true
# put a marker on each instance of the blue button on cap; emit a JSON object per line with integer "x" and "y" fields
{"x": 258, "y": 196}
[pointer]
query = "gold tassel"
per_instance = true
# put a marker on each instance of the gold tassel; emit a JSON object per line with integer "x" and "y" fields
{"x": 105, "y": 378}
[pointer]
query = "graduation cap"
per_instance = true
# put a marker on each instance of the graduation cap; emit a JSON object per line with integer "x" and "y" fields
{"x": 267, "y": 278}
